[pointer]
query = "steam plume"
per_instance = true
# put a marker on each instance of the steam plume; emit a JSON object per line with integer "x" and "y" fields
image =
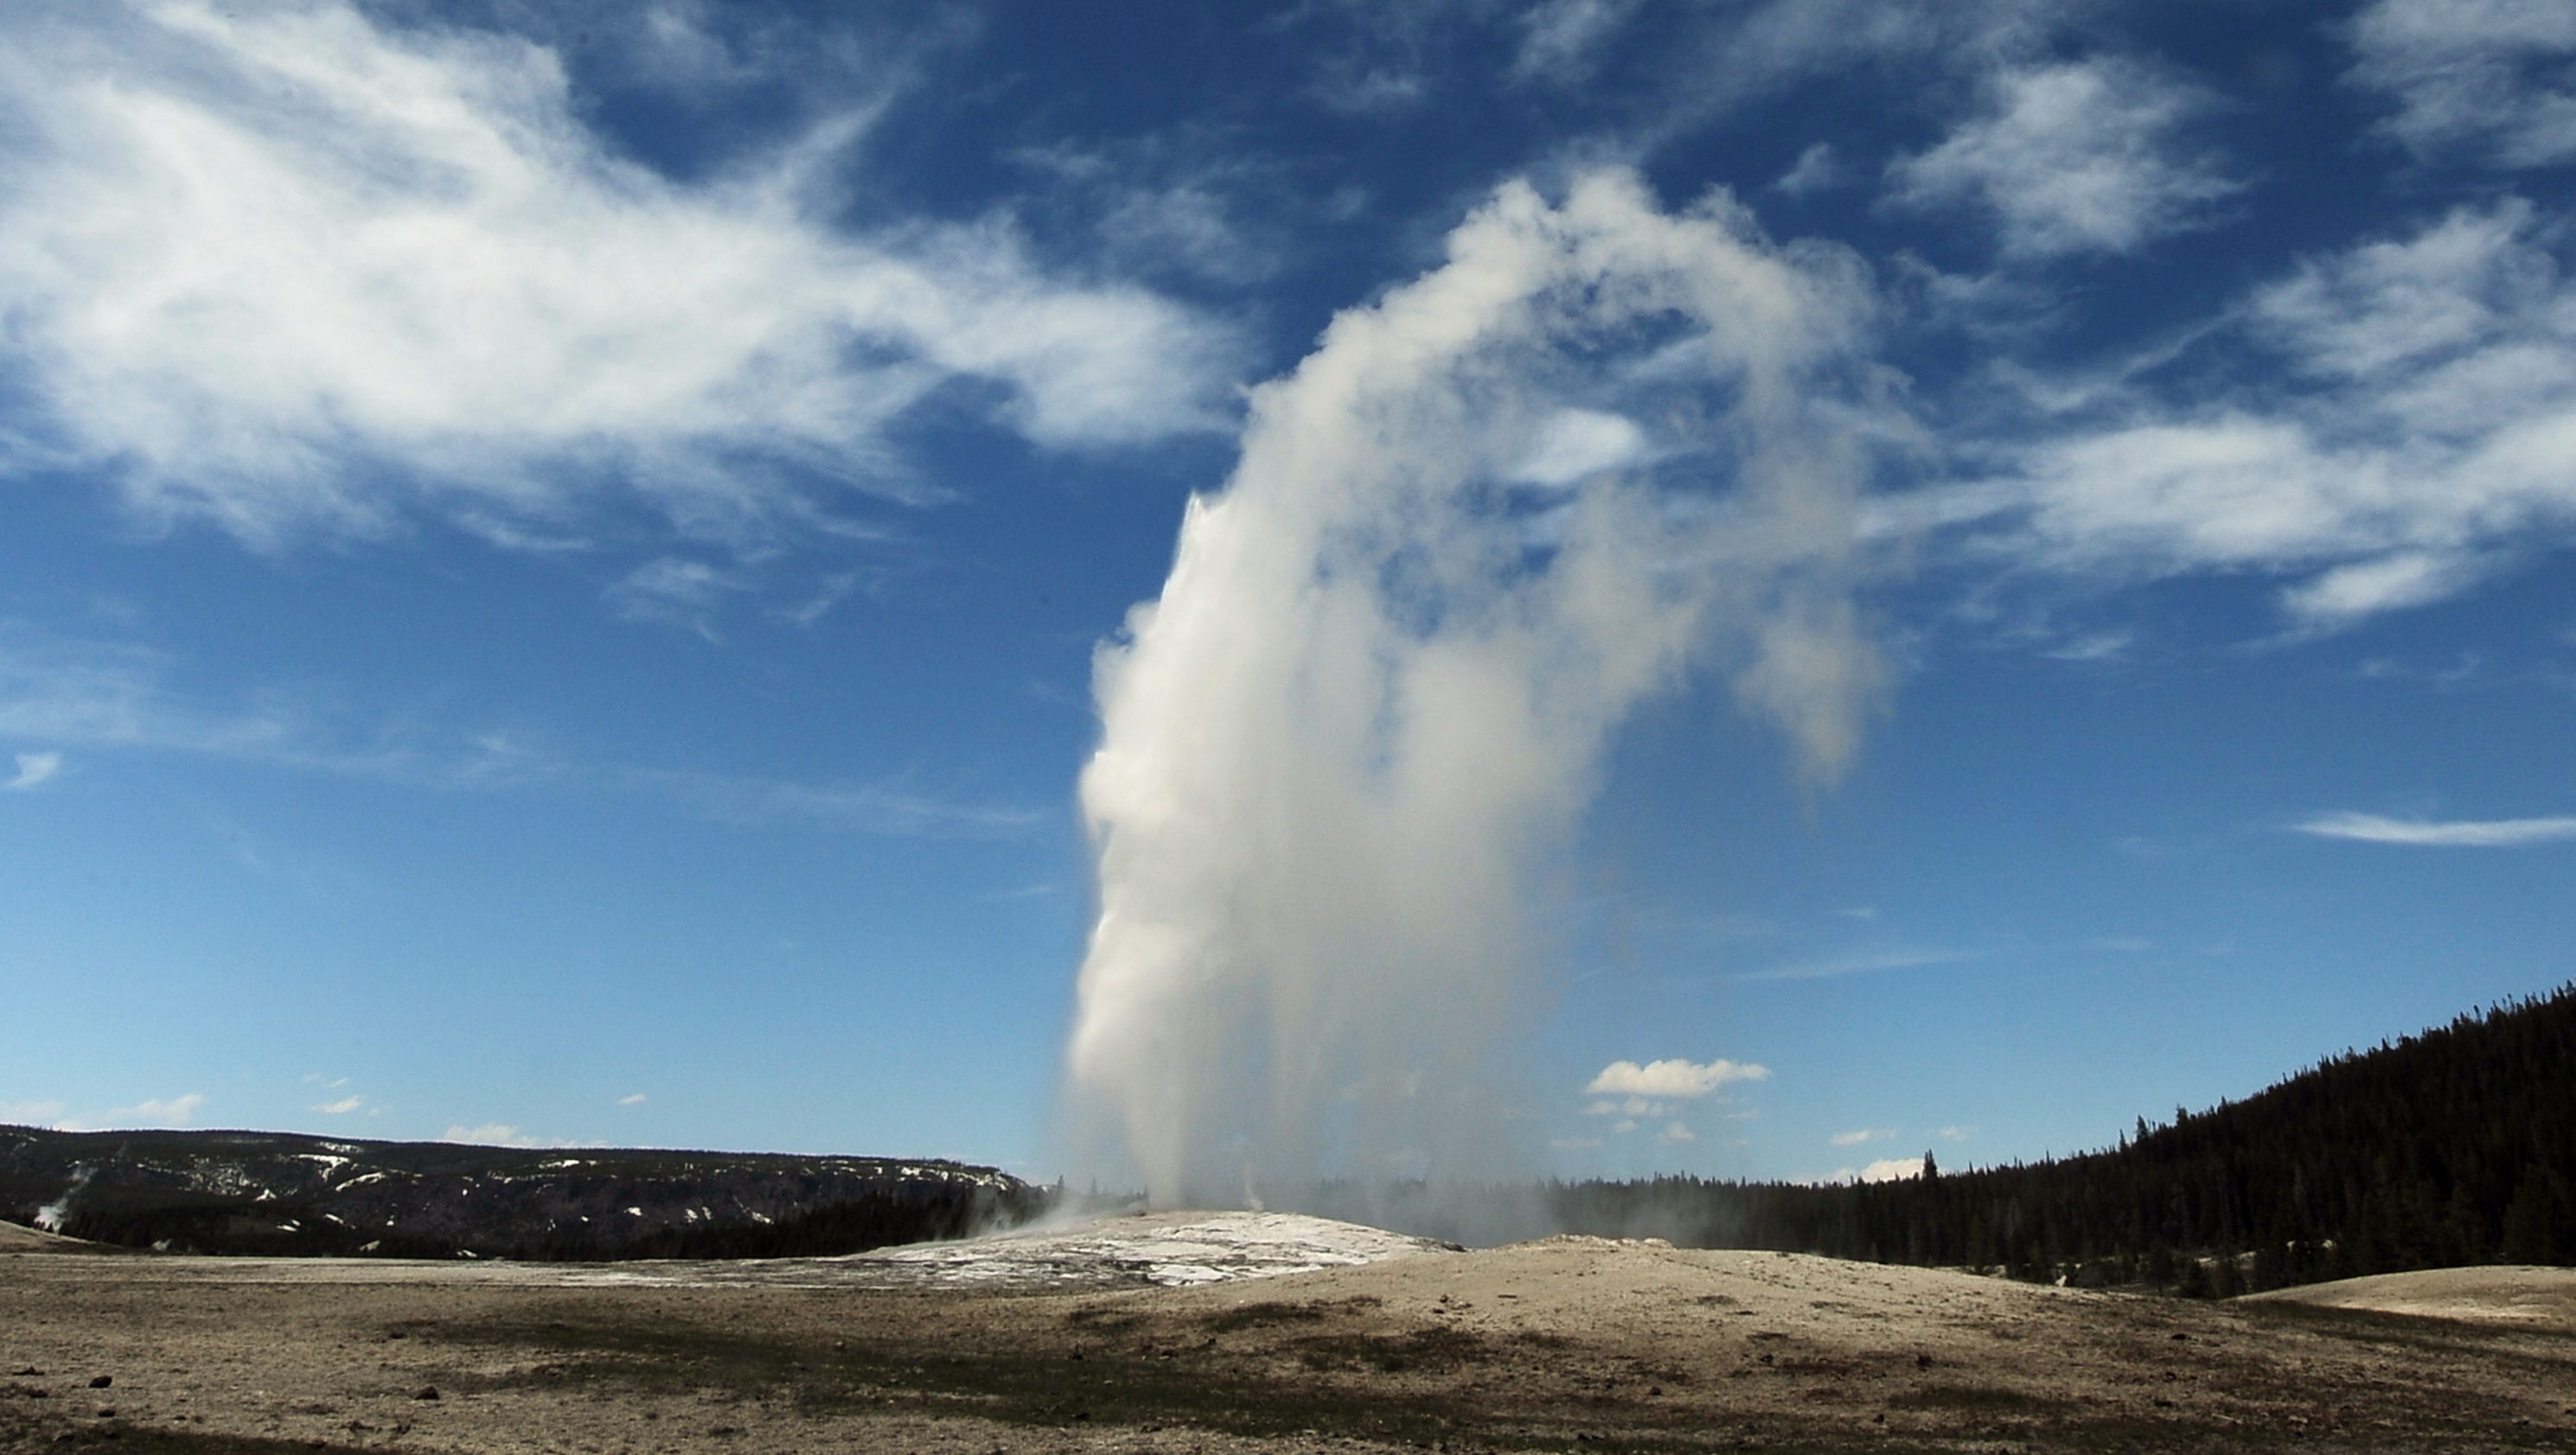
{"x": 54, "y": 1215}
{"x": 1600, "y": 446}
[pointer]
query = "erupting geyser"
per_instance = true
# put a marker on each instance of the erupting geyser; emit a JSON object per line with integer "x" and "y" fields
{"x": 1599, "y": 447}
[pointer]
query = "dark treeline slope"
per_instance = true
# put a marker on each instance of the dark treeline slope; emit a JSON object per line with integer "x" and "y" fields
{"x": 2450, "y": 1147}
{"x": 283, "y": 1193}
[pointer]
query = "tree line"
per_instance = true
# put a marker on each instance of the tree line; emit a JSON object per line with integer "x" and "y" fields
{"x": 2454, "y": 1146}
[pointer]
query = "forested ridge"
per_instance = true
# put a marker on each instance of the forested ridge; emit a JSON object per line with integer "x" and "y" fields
{"x": 2451, "y": 1147}
{"x": 290, "y": 1194}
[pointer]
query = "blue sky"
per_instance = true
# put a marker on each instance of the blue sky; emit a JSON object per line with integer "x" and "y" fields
{"x": 554, "y": 552}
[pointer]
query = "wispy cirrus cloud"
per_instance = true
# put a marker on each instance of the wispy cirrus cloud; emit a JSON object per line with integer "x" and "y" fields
{"x": 2075, "y": 157}
{"x": 2494, "y": 78}
{"x": 34, "y": 770}
{"x": 2502, "y": 833}
{"x": 175, "y": 1111}
{"x": 675, "y": 592}
{"x": 2419, "y": 447}
{"x": 296, "y": 268}
{"x": 1560, "y": 39}
{"x": 111, "y": 695}
{"x": 1861, "y": 962}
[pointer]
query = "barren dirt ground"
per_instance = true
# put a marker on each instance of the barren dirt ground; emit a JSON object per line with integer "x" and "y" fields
{"x": 1567, "y": 1344}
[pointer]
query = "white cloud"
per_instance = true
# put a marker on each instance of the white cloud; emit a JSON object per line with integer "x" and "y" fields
{"x": 172, "y": 1112}
{"x": 29, "y": 1113}
{"x": 2101, "y": 646}
{"x": 294, "y": 269}
{"x": 1864, "y": 1135}
{"x": 1954, "y": 1134}
{"x": 34, "y": 769}
{"x": 1188, "y": 201}
{"x": 1559, "y": 38}
{"x": 1674, "y": 1079}
{"x": 489, "y": 1134}
{"x": 342, "y": 1107}
{"x": 673, "y": 591}
{"x": 2371, "y": 828}
{"x": 635, "y": 1098}
{"x": 2436, "y": 451}
{"x": 1816, "y": 171}
{"x": 1749, "y": 51}
{"x": 1866, "y": 962}
{"x": 2494, "y": 77}
{"x": 2390, "y": 303}
{"x": 1675, "y": 1132}
{"x": 1892, "y": 1169}
{"x": 2079, "y": 157}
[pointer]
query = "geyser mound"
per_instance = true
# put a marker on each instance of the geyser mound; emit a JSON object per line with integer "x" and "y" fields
{"x": 1600, "y": 447}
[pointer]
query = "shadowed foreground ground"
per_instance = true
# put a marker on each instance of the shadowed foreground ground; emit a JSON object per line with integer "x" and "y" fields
{"x": 1569, "y": 1344}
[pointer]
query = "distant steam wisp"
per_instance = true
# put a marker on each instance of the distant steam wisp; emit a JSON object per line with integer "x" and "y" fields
{"x": 1601, "y": 446}
{"x": 54, "y": 1215}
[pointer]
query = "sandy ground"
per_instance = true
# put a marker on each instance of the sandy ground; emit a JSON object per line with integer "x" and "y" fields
{"x": 17, "y": 1239}
{"x": 1564, "y": 1344}
{"x": 2534, "y": 1297}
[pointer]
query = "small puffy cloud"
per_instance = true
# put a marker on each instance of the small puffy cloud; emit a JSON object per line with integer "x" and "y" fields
{"x": 1816, "y": 171}
{"x": 489, "y": 1134}
{"x": 2371, "y": 828}
{"x": 1675, "y": 1132}
{"x": 29, "y": 1113}
{"x": 342, "y": 1107}
{"x": 1864, "y": 1135}
{"x": 1623, "y": 1128}
{"x": 1674, "y": 1079}
{"x": 633, "y": 1098}
{"x": 1954, "y": 1134}
{"x": 34, "y": 769}
{"x": 2080, "y": 157}
{"x": 1886, "y": 1169}
{"x": 2494, "y": 78}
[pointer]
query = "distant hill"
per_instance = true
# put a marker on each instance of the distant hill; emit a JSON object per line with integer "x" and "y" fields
{"x": 2456, "y": 1146}
{"x": 280, "y": 1193}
